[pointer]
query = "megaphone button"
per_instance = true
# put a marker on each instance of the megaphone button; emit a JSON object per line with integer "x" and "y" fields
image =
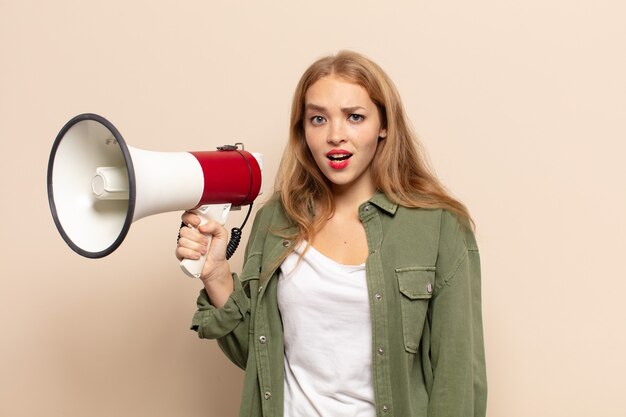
{"x": 97, "y": 185}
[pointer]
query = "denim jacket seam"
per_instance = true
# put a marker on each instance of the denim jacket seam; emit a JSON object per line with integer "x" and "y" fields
{"x": 449, "y": 278}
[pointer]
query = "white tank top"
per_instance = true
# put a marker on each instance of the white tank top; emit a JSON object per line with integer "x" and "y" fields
{"x": 325, "y": 311}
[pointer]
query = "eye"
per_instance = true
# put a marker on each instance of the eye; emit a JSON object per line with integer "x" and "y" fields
{"x": 356, "y": 117}
{"x": 317, "y": 120}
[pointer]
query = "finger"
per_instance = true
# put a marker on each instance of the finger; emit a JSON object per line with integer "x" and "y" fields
{"x": 219, "y": 241}
{"x": 193, "y": 244}
{"x": 185, "y": 253}
{"x": 190, "y": 219}
{"x": 213, "y": 228}
{"x": 192, "y": 235}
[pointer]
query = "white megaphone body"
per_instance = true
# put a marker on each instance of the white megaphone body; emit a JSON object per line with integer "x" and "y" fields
{"x": 98, "y": 186}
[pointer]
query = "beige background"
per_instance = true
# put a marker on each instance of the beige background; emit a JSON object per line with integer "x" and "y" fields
{"x": 521, "y": 105}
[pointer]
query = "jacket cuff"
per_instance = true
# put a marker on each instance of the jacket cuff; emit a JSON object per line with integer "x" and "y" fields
{"x": 213, "y": 323}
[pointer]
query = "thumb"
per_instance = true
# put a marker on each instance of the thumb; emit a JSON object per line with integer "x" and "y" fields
{"x": 219, "y": 240}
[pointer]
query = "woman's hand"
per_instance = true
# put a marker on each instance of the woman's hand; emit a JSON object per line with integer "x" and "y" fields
{"x": 191, "y": 243}
{"x": 194, "y": 242}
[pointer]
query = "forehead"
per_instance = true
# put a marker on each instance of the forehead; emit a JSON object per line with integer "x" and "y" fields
{"x": 335, "y": 91}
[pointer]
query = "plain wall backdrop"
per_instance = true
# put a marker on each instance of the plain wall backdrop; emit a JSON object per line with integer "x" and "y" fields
{"x": 521, "y": 106}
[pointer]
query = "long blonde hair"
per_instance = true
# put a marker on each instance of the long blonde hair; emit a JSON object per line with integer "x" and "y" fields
{"x": 399, "y": 168}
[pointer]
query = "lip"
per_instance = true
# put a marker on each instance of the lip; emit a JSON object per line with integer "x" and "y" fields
{"x": 341, "y": 163}
{"x": 333, "y": 152}
{"x": 338, "y": 164}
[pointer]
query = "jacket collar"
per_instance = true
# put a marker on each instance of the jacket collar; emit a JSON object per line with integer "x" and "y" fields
{"x": 381, "y": 201}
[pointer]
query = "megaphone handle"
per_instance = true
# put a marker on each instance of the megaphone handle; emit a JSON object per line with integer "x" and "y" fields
{"x": 217, "y": 212}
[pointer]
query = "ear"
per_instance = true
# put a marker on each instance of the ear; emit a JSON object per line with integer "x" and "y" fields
{"x": 382, "y": 134}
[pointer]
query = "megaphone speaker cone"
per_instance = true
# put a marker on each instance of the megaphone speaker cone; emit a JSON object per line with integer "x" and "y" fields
{"x": 92, "y": 227}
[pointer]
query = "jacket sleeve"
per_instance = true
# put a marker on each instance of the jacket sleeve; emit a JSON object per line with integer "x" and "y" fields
{"x": 457, "y": 358}
{"x": 230, "y": 324}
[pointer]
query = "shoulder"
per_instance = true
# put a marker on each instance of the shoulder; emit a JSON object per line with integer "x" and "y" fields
{"x": 440, "y": 232}
{"x": 449, "y": 224}
{"x": 271, "y": 211}
{"x": 454, "y": 228}
{"x": 262, "y": 225}
{"x": 270, "y": 217}
{"x": 441, "y": 224}
{"x": 456, "y": 246}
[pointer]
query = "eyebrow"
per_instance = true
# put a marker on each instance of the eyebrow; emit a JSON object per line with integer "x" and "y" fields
{"x": 315, "y": 107}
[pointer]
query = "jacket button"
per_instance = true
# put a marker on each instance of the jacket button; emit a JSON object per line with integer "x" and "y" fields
{"x": 380, "y": 350}
{"x": 385, "y": 408}
{"x": 267, "y": 395}
{"x": 286, "y": 243}
{"x": 429, "y": 288}
{"x": 262, "y": 339}
{"x": 378, "y": 296}
{"x": 366, "y": 208}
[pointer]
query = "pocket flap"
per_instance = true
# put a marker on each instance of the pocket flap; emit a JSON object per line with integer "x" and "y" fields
{"x": 416, "y": 282}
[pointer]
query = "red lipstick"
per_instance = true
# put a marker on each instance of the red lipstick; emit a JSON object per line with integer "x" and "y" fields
{"x": 338, "y": 158}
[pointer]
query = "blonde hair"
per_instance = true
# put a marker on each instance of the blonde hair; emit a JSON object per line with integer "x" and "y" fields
{"x": 399, "y": 168}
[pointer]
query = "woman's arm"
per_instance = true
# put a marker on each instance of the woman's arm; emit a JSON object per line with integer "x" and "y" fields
{"x": 224, "y": 310}
{"x": 457, "y": 358}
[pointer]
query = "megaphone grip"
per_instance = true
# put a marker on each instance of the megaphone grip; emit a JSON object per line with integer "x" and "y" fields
{"x": 216, "y": 212}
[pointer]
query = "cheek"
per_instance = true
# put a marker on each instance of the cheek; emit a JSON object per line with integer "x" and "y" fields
{"x": 313, "y": 141}
{"x": 372, "y": 146}
{"x": 372, "y": 155}
{"x": 313, "y": 151}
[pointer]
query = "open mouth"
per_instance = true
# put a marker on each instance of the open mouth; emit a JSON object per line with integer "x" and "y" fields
{"x": 339, "y": 157}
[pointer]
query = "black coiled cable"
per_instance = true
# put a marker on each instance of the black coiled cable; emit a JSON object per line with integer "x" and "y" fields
{"x": 233, "y": 242}
{"x": 235, "y": 236}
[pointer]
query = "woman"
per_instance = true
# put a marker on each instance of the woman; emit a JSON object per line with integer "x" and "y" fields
{"x": 360, "y": 290}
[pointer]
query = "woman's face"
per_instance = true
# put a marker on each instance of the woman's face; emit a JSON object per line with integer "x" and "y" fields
{"x": 342, "y": 129}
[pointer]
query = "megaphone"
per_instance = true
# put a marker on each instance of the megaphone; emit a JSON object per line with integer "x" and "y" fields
{"x": 98, "y": 185}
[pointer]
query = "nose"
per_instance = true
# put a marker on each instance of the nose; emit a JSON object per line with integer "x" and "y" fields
{"x": 336, "y": 133}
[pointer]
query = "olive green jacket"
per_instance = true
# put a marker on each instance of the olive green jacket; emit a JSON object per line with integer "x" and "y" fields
{"x": 423, "y": 277}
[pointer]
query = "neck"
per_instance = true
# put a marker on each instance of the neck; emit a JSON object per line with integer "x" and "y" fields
{"x": 348, "y": 199}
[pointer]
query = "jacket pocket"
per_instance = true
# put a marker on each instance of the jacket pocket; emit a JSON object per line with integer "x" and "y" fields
{"x": 416, "y": 286}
